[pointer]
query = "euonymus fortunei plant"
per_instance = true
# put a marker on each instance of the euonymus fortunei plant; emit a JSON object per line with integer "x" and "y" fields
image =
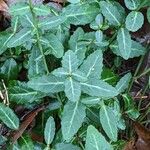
{"x": 64, "y": 63}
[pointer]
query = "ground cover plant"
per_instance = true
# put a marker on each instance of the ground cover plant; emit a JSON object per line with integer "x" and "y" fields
{"x": 75, "y": 75}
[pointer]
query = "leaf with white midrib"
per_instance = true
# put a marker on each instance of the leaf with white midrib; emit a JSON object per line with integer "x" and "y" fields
{"x": 73, "y": 116}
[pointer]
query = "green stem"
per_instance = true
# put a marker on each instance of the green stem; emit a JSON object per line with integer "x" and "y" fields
{"x": 38, "y": 35}
{"x": 144, "y": 73}
{"x": 136, "y": 72}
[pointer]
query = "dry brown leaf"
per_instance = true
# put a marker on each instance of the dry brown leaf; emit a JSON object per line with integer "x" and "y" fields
{"x": 27, "y": 121}
{"x": 3, "y": 6}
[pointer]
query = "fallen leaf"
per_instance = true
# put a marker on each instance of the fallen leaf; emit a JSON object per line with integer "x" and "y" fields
{"x": 3, "y": 6}
{"x": 27, "y": 121}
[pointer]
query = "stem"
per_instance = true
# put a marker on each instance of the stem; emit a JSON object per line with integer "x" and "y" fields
{"x": 38, "y": 35}
{"x": 144, "y": 73}
{"x": 136, "y": 72}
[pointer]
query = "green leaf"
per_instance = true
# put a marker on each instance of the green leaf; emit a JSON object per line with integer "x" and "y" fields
{"x": 123, "y": 83}
{"x": 136, "y": 49}
{"x": 60, "y": 72}
{"x": 92, "y": 66}
{"x": 99, "y": 19}
{"x": 134, "y": 21}
{"x": 36, "y": 64}
{"x": 72, "y": 119}
{"x": 72, "y": 89}
{"x": 91, "y": 100}
{"x": 70, "y": 62}
{"x": 47, "y": 84}
{"x": 132, "y": 4}
{"x": 95, "y": 140}
{"x": 8, "y": 117}
{"x": 94, "y": 87}
{"x": 49, "y": 130}
{"x": 74, "y": 1}
{"x": 109, "y": 122}
{"x": 99, "y": 36}
{"x": 19, "y": 9}
{"x": 124, "y": 42}
{"x": 66, "y": 146}
{"x": 22, "y": 94}
{"x": 9, "y": 70}
{"x": 79, "y": 76}
{"x": 20, "y": 38}
{"x": 51, "y": 22}
{"x": 111, "y": 13}
{"x": 148, "y": 14}
{"x": 80, "y": 14}
{"x": 54, "y": 45}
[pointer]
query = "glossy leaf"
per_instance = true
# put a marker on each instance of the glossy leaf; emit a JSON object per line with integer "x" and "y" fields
{"x": 134, "y": 21}
{"x": 8, "y": 117}
{"x": 124, "y": 42}
{"x": 95, "y": 140}
{"x": 72, "y": 119}
{"x": 49, "y": 130}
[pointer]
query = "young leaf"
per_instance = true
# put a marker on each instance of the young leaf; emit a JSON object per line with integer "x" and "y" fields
{"x": 47, "y": 84}
{"x": 99, "y": 36}
{"x": 20, "y": 38}
{"x": 99, "y": 88}
{"x": 92, "y": 66}
{"x": 134, "y": 21}
{"x": 132, "y": 4}
{"x": 8, "y": 117}
{"x": 22, "y": 94}
{"x": 109, "y": 122}
{"x": 80, "y": 14}
{"x": 72, "y": 89}
{"x": 9, "y": 70}
{"x": 70, "y": 62}
{"x": 124, "y": 42}
{"x": 111, "y": 13}
{"x": 54, "y": 45}
{"x": 95, "y": 140}
{"x": 36, "y": 64}
{"x": 66, "y": 146}
{"x": 136, "y": 49}
{"x": 49, "y": 130}
{"x": 72, "y": 119}
{"x": 123, "y": 83}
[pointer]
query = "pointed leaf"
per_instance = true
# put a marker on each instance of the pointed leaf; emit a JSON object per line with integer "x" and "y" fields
{"x": 22, "y": 94}
{"x": 111, "y": 13}
{"x": 91, "y": 100}
{"x": 60, "y": 72}
{"x": 98, "y": 88}
{"x": 8, "y": 117}
{"x": 47, "y": 84}
{"x": 123, "y": 83}
{"x": 134, "y": 21}
{"x": 92, "y": 66}
{"x": 20, "y": 38}
{"x": 79, "y": 76}
{"x": 95, "y": 140}
{"x": 66, "y": 146}
{"x": 36, "y": 64}
{"x": 72, "y": 119}
{"x": 49, "y": 130}
{"x": 109, "y": 122}
{"x": 70, "y": 62}
{"x": 72, "y": 89}
{"x": 82, "y": 13}
{"x": 9, "y": 70}
{"x": 124, "y": 42}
